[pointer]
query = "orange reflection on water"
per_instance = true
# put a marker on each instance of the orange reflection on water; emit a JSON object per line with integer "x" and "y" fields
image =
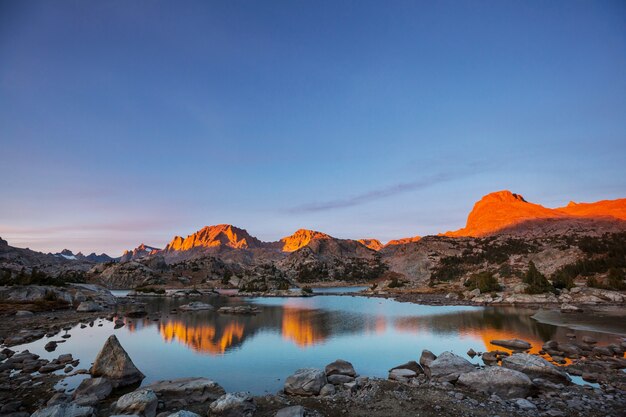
{"x": 203, "y": 338}
{"x": 298, "y": 327}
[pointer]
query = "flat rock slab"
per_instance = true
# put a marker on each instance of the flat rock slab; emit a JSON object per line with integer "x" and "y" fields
{"x": 514, "y": 344}
{"x": 535, "y": 367}
{"x": 504, "y": 382}
{"x": 184, "y": 391}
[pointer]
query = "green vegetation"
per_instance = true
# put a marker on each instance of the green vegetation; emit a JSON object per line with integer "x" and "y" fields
{"x": 484, "y": 281}
{"x": 307, "y": 290}
{"x": 615, "y": 279}
{"x": 536, "y": 281}
{"x": 37, "y": 277}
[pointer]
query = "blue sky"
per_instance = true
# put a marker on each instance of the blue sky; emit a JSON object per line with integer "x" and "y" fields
{"x": 124, "y": 122}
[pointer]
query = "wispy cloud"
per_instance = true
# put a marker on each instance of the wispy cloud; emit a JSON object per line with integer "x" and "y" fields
{"x": 373, "y": 195}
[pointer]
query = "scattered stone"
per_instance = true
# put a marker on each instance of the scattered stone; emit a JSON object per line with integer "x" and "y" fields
{"x": 24, "y": 313}
{"x": 328, "y": 390}
{"x": 506, "y": 383}
{"x": 238, "y": 404}
{"x": 471, "y": 353}
{"x": 535, "y": 367}
{"x": 183, "y": 413}
{"x": 114, "y": 363}
{"x": 514, "y": 344}
{"x": 306, "y": 382}
{"x": 524, "y": 404}
{"x": 64, "y": 410}
{"x": 92, "y": 390}
{"x": 142, "y": 402}
{"x": 50, "y": 346}
{"x": 178, "y": 393}
{"x": 196, "y": 306}
{"x": 89, "y": 307}
{"x": 447, "y": 367}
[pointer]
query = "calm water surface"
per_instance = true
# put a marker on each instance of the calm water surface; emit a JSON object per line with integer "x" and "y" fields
{"x": 256, "y": 353}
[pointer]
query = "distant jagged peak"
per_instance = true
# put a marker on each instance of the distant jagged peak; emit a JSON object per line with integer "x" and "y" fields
{"x": 373, "y": 244}
{"x": 301, "y": 238}
{"x": 140, "y": 251}
{"x": 215, "y": 236}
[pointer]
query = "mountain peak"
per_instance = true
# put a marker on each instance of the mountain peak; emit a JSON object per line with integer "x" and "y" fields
{"x": 300, "y": 238}
{"x": 503, "y": 196}
{"x": 373, "y": 244}
{"x": 220, "y": 235}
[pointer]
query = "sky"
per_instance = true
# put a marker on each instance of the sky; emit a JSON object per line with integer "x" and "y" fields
{"x": 124, "y": 122}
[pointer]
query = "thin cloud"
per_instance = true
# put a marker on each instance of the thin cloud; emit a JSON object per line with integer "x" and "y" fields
{"x": 374, "y": 195}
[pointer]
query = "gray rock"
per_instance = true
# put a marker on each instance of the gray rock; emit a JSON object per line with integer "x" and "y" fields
{"x": 340, "y": 367}
{"x": 196, "y": 306}
{"x": 447, "y": 367}
{"x": 427, "y": 357}
{"x": 337, "y": 379}
{"x": 89, "y": 307}
{"x": 183, "y": 413}
{"x": 535, "y": 367}
{"x": 293, "y": 411}
{"x": 24, "y": 313}
{"x": 178, "y": 393}
{"x": 515, "y": 344}
{"x": 64, "y": 410}
{"x": 412, "y": 365}
{"x": 306, "y": 381}
{"x": 114, "y": 363}
{"x": 504, "y": 382}
{"x": 238, "y": 404}
{"x": 92, "y": 390}
{"x": 328, "y": 390}
{"x": 524, "y": 404}
{"x": 401, "y": 374}
{"x": 142, "y": 402}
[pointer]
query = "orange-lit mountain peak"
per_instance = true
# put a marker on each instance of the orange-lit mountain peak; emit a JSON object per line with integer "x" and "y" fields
{"x": 301, "y": 238}
{"x": 373, "y": 244}
{"x": 504, "y": 209}
{"x": 215, "y": 236}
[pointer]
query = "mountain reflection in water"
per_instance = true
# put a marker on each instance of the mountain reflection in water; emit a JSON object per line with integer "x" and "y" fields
{"x": 306, "y": 322}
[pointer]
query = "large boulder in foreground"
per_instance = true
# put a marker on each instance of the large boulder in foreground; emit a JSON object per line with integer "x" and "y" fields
{"x": 447, "y": 367}
{"x": 306, "y": 381}
{"x": 114, "y": 363}
{"x": 506, "y": 383}
{"x": 178, "y": 393}
{"x": 340, "y": 367}
{"x": 535, "y": 367}
{"x": 237, "y": 404}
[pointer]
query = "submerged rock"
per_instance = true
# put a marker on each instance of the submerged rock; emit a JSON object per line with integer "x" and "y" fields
{"x": 514, "y": 344}
{"x": 89, "y": 307}
{"x": 306, "y": 381}
{"x": 196, "y": 306}
{"x": 114, "y": 363}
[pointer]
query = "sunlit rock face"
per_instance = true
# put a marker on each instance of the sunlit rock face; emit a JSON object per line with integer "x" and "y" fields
{"x": 139, "y": 252}
{"x": 504, "y": 210}
{"x": 215, "y": 236}
{"x": 403, "y": 241}
{"x": 373, "y": 244}
{"x": 301, "y": 238}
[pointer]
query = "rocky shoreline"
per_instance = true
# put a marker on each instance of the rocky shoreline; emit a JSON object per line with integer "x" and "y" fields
{"x": 510, "y": 382}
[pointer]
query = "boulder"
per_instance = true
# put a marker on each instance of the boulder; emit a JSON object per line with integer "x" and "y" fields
{"x": 514, "y": 344}
{"x": 92, "y": 390}
{"x": 142, "y": 402}
{"x": 447, "y": 367}
{"x": 402, "y": 375}
{"x": 504, "y": 382}
{"x": 411, "y": 365}
{"x": 337, "y": 379}
{"x": 340, "y": 367}
{"x": 328, "y": 390}
{"x": 114, "y": 363}
{"x": 238, "y": 404}
{"x": 64, "y": 410}
{"x": 427, "y": 357}
{"x": 89, "y": 307}
{"x": 178, "y": 393}
{"x": 196, "y": 306}
{"x": 306, "y": 381}
{"x": 184, "y": 413}
{"x": 535, "y": 367}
